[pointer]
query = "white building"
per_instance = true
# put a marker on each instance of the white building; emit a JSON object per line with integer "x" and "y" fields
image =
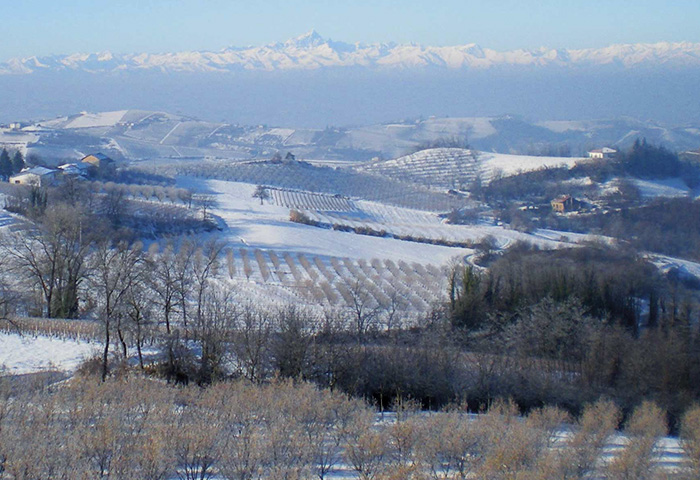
{"x": 37, "y": 177}
{"x": 604, "y": 152}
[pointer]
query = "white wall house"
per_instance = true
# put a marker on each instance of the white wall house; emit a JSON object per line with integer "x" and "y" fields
{"x": 37, "y": 177}
{"x": 604, "y": 152}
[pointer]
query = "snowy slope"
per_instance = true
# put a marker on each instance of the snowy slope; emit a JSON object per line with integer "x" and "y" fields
{"x": 440, "y": 167}
{"x": 86, "y": 120}
{"x": 668, "y": 187}
{"x": 504, "y": 164}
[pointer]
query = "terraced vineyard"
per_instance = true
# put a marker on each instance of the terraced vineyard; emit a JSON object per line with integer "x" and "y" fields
{"x": 301, "y": 200}
{"x": 334, "y": 181}
{"x": 437, "y": 167}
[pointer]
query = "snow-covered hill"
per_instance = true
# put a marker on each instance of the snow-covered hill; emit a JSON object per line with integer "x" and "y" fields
{"x": 311, "y": 51}
{"x": 458, "y": 167}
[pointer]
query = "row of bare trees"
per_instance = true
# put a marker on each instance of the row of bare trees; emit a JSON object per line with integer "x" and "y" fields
{"x": 131, "y": 427}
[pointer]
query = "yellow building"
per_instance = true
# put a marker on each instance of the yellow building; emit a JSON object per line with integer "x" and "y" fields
{"x": 563, "y": 203}
{"x": 98, "y": 160}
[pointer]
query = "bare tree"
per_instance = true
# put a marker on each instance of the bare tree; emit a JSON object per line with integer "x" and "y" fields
{"x": 204, "y": 203}
{"x": 290, "y": 348}
{"x": 252, "y": 343}
{"x": 52, "y": 255}
{"x": 645, "y": 427}
{"x": 183, "y": 277}
{"x": 213, "y": 331}
{"x": 365, "y": 310}
{"x": 138, "y": 307}
{"x": 261, "y": 193}
{"x": 114, "y": 270}
{"x": 163, "y": 281}
{"x": 205, "y": 264}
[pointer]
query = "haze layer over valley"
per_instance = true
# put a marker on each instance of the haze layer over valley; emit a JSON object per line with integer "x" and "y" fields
{"x": 310, "y": 81}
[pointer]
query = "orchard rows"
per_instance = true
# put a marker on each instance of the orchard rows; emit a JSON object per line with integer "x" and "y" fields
{"x": 279, "y": 277}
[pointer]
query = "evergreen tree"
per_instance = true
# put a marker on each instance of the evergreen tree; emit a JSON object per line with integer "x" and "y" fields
{"x": 17, "y": 162}
{"x": 645, "y": 160}
{"x": 5, "y": 164}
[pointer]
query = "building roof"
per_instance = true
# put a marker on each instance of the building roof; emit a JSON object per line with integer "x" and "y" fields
{"x": 562, "y": 198}
{"x": 40, "y": 171}
{"x": 100, "y": 156}
{"x": 603, "y": 150}
{"x": 71, "y": 166}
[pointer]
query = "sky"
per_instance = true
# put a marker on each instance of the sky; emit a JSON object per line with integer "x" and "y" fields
{"x": 45, "y": 27}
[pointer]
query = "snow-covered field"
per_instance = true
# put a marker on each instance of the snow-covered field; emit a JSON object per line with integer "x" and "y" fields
{"x": 28, "y": 354}
{"x": 267, "y": 227}
{"x": 493, "y": 164}
{"x": 87, "y": 120}
{"x": 669, "y": 187}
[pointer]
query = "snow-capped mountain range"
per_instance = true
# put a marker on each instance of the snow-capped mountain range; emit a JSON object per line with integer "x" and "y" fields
{"x": 311, "y": 51}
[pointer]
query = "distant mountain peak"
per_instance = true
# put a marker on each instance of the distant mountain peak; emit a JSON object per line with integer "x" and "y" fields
{"x": 309, "y": 39}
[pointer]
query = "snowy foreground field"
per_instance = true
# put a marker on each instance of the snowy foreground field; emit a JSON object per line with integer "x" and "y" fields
{"x": 30, "y": 354}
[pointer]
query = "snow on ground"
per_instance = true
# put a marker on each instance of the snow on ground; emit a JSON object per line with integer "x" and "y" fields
{"x": 91, "y": 120}
{"x": 668, "y": 187}
{"x": 86, "y": 120}
{"x": 251, "y": 225}
{"x": 450, "y": 167}
{"x": 437, "y": 167}
{"x": 571, "y": 237}
{"x": 505, "y": 164}
{"x": 13, "y": 139}
{"x": 28, "y": 354}
{"x": 684, "y": 267}
{"x": 267, "y": 227}
{"x": 561, "y": 126}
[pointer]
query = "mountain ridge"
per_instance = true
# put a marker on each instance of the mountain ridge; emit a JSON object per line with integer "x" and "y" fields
{"x": 311, "y": 51}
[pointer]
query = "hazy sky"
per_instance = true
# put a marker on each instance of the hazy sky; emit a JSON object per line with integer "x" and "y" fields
{"x": 42, "y": 27}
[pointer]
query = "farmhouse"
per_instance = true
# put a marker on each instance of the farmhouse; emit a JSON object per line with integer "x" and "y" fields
{"x": 604, "y": 152}
{"x": 37, "y": 177}
{"x": 98, "y": 160}
{"x": 564, "y": 203}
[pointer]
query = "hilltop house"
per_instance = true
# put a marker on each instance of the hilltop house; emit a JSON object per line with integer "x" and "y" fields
{"x": 603, "y": 153}
{"x": 37, "y": 177}
{"x": 565, "y": 203}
